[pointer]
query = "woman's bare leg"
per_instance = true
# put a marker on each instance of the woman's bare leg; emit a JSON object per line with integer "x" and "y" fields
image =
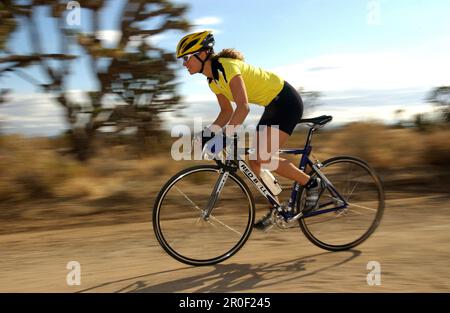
{"x": 265, "y": 158}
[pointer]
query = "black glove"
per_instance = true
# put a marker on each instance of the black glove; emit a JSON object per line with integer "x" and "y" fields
{"x": 206, "y": 136}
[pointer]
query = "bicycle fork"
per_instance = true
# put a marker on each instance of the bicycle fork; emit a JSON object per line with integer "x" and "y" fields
{"x": 215, "y": 194}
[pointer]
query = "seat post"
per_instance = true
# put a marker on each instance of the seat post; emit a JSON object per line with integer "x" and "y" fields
{"x": 306, "y": 151}
{"x": 309, "y": 137}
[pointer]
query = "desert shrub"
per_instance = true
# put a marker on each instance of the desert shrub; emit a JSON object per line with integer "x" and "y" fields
{"x": 382, "y": 147}
{"x": 437, "y": 149}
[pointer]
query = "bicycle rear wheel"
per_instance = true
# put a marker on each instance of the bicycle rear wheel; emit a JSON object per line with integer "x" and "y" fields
{"x": 185, "y": 234}
{"x": 345, "y": 228}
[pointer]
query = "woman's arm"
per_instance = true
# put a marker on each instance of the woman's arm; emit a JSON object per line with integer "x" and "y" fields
{"x": 239, "y": 93}
{"x": 226, "y": 112}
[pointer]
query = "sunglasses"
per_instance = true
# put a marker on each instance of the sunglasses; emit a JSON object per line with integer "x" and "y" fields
{"x": 187, "y": 57}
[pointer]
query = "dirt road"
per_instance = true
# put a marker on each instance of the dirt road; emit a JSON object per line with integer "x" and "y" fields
{"x": 412, "y": 246}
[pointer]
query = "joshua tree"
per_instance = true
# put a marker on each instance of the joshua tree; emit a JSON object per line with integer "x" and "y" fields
{"x": 440, "y": 97}
{"x": 137, "y": 72}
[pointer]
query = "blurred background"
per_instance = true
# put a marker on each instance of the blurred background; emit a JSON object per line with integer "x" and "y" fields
{"x": 90, "y": 90}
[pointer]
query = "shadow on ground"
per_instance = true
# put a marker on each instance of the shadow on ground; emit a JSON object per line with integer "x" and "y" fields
{"x": 229, "y": 277}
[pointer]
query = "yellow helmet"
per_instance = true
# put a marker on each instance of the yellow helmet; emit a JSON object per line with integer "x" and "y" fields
{"x": 195, "y": 42}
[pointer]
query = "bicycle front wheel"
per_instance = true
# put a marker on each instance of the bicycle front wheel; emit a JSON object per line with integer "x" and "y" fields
{"x": 180, "y": 227}
{"x": 348, "y": 227}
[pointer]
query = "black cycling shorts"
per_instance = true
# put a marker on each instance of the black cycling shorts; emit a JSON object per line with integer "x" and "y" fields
{"x": 285, "y": 110}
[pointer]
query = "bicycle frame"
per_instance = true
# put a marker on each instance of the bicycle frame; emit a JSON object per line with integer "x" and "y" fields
{"x": 232, "y": 165}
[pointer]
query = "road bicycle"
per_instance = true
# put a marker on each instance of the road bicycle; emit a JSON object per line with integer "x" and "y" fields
{"x": 204, "y": 214}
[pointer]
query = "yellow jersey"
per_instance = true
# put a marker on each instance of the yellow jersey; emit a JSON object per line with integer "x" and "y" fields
{"x": 262, "y": 86}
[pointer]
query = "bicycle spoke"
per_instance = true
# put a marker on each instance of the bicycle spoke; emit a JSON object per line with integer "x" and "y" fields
{"x": 349, "y": 171}
{"x": 348, "y": 198}
{"x": 211, "y": 216}
{"x": 362, "y": 207}
{"x": 187, "y": 198}
{"x": 226, "y": 226}
{"x": 334, "y": 199}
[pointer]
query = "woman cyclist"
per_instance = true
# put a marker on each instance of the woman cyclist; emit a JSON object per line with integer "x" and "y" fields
{"x": 233, "y": 80}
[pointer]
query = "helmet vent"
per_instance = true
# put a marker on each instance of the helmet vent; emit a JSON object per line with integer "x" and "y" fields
{"x": 182, "y": 42}
{"x": 190, "y": 45}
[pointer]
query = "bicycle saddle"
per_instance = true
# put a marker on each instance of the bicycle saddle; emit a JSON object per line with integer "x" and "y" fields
{"x": 320, "y": 120}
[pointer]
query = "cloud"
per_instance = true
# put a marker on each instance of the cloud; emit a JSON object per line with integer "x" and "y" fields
{"x": 381, "y": 113}
{"x": 32, "y": 114}
{"x": 368, "y": 71}
{"x": 345, "y": 106}
{"x": 204, "y": 23}
{"x": 203, "y": 28}
{"x": 322, "y": 68}
{"x": 195, "y": 98}
{"x": 210, "y": 20}
{"x": 155, "y": 39}
{"x": 109, "y": 37}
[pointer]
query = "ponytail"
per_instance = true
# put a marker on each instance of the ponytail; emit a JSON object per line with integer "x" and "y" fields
{"x": 229, "y": 53}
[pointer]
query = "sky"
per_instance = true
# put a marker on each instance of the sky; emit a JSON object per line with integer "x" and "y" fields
{"x": 368, "y": 58}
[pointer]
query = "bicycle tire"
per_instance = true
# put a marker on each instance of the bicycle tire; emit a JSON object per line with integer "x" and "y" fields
{"x": 159, "y": 232}
{"x": 377, "y": 218}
